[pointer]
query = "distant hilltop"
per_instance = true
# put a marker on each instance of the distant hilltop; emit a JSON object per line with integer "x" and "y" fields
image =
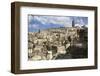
{"x": 63, "y": 29}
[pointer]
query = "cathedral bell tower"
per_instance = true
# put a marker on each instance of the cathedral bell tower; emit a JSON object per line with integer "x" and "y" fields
{"x": 73, "y": 23}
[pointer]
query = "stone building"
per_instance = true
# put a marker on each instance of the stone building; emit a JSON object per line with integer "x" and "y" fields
{"x": 49, "y": 43}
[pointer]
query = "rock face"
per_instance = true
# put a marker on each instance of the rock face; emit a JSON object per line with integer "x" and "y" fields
{"x": 57, "y": 43}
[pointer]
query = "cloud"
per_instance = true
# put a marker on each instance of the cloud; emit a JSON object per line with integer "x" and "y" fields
{"x": 66, "y": 21}
{"x": 81, "y": 20}
{"x": 45, "y": 22}
{"x": 30, "y": 18}
{"x": 79, "y": 25}
{"x": 41, "y": 19}
{"x": 33, "y": 26}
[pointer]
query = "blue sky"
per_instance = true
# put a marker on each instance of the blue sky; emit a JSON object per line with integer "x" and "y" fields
{"x": 36, "y": 22}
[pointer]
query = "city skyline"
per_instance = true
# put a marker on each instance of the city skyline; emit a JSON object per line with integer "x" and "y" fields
{"x": 41, "y": 22}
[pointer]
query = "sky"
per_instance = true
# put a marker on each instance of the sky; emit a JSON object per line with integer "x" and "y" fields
{"x": 41, "y": 22}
